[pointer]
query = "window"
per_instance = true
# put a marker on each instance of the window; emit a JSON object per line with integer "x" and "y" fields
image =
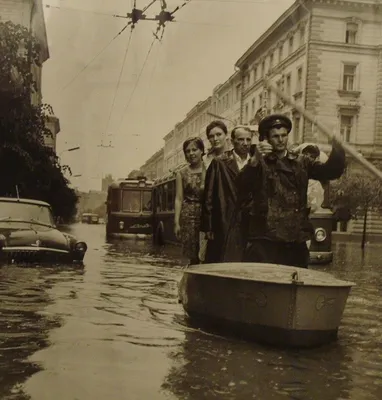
{"x": 255, "y": 74}
{"x": 268, "y": 99}
{"x": 288, "y": 81}
{"x": 247, "y": 81}
{"x": 348, "y": 83}
{"x": 146, "y": 201}
{"x": 296, "y": 127}
{"x": 291, "y": 45}
{"x": 246, "y": 113}
{"x": 302, "y": 35}
{"x": 351, "y": 33}
{"x": 170, "y": 196}
{"x": 253, "y": 106}
{"x": 131, "y": 201}
{"x": 281, "y": 53}
{"x": 260, "y": 100}
{"x": 299, "y": 80}
{"x": 279, "y": 85}
{"x": 238, "y": 92}
{"x": 263, "y": 68}
{"x": 346, "y": 127}
{"x": 271, "y": 61}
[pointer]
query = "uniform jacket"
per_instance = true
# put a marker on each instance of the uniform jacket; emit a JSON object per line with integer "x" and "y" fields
{"x": 278, "y": 187}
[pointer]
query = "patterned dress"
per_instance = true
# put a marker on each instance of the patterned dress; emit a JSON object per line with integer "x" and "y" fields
{"x": 193, "y": 186}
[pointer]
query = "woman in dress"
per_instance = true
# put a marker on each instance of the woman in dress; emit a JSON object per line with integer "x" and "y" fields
{"x": 189, "y": 191}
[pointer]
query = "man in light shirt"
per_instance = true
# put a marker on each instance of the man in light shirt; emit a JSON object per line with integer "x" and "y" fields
{"x": 219, "y": 219}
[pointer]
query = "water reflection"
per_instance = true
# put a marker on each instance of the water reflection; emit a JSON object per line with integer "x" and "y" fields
{"x": 144, "y": 251}
{"x": 210, "y": 367}
{"x": 137, "y": 286}
{"x": 114, "y": 329}
{"x": 24, "y": 324}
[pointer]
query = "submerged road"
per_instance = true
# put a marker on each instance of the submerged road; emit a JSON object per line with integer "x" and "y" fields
{"x": 114, "y": 330}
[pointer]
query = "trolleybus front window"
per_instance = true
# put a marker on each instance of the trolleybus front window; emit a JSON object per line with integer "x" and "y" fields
{"x": 146, "y": 201}
{"x": 131, "y": 201}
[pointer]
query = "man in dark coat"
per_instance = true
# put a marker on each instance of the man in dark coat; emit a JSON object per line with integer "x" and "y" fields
{"x": 219, "y": 204}
{"x": 277, "y": 181}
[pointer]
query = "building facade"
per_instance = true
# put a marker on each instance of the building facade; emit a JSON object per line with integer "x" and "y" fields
{"x": 106, "y": 182}
{"x": 193, "y": 124}
{"x": 153, "y": 167}
{"x": 325, "y": 55}
{"x": 53, "y": 124}
{"x": 30, "y": 13}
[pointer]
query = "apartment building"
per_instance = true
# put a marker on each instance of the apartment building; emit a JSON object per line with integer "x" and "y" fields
{"x": 193, "y": 124}
{"x": 30, "y": 13}
{"x": 153, "y": 167}
{"x": 227, "y": 99}
{"x": 327, "y": 56}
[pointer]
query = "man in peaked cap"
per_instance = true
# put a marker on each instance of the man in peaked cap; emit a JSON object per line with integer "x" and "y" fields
{"x": 277, "y": 181}
{"x": 273, "y": 121}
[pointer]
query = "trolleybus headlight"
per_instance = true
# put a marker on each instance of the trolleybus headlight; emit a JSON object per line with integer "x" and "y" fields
{"x": 121, "y": 224}
{"x": 81, "y": 247}
{"x": 320, "y": 234}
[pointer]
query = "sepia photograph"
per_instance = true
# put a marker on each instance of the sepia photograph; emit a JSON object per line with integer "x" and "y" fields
{"x": 190, "y": 199}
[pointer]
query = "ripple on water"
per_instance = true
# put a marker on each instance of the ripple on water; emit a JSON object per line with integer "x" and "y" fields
{"x": 129, "y": 297}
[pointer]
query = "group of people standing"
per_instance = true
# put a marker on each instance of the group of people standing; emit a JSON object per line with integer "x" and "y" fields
{"x": 250, "y": 203}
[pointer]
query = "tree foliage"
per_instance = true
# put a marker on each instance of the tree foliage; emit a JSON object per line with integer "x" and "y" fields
{"x": 24, "y": 160}
{"x": 357, "y": 194}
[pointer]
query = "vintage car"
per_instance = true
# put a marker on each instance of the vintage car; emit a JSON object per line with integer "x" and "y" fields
{"x": 28, "y": 234}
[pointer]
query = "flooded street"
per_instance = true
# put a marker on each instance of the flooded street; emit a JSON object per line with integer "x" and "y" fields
{"x": 114, "y": 330}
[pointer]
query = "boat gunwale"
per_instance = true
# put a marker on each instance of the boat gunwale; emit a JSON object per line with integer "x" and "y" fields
{"x": 342, "y": 284}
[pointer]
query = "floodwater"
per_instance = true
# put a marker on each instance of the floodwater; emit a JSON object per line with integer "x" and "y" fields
{"x": 114, "y": 330}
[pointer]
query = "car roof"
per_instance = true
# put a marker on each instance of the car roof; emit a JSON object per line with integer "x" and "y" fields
{"x": 24, "y": 201}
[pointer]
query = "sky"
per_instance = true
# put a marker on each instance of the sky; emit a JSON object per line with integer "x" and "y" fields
{"x": 129, "y": 110}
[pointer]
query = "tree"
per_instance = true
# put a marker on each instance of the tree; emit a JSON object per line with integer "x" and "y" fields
{"x": 359, "y": 194}
{"x": 25, "y": 161}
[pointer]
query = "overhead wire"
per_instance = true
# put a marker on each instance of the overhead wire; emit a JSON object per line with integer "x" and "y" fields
{"x": 147, "y": 56}
{"x": 152, "y": 2}
{"x": 120, "y": 76}
{"x": 115, "y": 95}
{"x": 151, "y": 77}
{"x": 136, "y": 83}
{"x": 77, "y": 10}
{"x": 119, "y": 79}
{"x": 95, "y": 57}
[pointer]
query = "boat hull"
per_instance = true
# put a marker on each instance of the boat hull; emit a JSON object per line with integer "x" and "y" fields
{"x": 294, "y": 313}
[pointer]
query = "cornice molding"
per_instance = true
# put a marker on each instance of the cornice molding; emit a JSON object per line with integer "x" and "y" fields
{"x": 354, "y": 48}
{"x": 351, "y": 4}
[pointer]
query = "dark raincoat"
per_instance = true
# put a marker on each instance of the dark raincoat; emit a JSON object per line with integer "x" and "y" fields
{"x": 219, "y": 212}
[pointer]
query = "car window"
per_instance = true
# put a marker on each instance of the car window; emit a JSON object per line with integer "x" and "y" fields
{"x": 25, "y": 212}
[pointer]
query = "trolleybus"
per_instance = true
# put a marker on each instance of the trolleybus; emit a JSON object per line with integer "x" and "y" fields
{"x": 89, "y": 218}
{"x": 129, "y": 209}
